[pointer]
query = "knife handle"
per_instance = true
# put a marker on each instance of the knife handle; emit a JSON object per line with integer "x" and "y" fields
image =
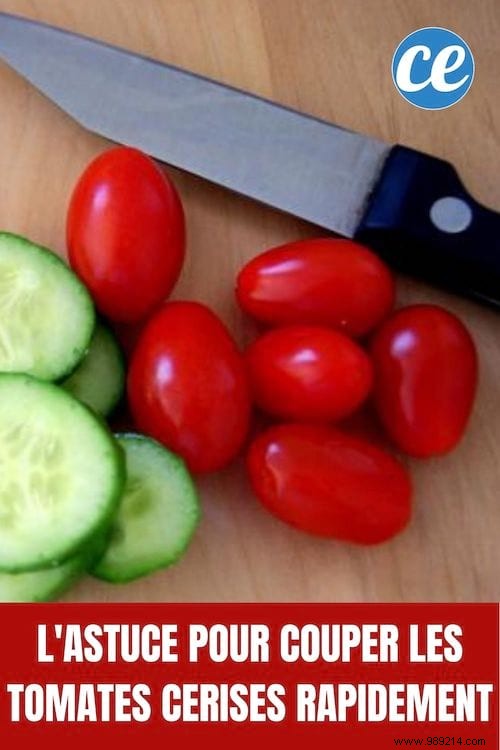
{"x": 422, "y": 220}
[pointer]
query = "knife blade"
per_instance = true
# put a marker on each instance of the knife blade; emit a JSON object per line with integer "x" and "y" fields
{"x": 409, "y": 206}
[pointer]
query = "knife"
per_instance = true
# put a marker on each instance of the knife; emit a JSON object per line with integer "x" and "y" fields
{"x": 408, "y": 206}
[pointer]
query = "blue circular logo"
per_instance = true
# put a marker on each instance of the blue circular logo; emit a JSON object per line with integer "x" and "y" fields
{"x": 433, "y": 68}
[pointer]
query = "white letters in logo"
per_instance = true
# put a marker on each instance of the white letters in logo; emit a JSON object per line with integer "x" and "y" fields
{"x": 403, "y": 72}
{"x": 440, "y": 67}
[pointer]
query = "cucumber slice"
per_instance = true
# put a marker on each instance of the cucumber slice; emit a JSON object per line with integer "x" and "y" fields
{"x": 158, "y": 514}
{"x": 46, "y": 314}
{"x": 99, "y": 379}
{"x": 61, "y": 474}
{"x": 46, "y": 585}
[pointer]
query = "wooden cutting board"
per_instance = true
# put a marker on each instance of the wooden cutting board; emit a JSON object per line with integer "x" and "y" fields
{"x": 330, "y": 58}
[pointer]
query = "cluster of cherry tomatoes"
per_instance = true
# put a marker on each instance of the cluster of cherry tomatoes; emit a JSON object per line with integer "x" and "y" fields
{"x": 331, "y": 345}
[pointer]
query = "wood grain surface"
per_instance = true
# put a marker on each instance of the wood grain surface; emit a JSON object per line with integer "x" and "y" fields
{"x": 330, "y": 58}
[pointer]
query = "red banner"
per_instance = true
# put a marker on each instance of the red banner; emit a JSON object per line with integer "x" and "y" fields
{"x": 346, "y": 676}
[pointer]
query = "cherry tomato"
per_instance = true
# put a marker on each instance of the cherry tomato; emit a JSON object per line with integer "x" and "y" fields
{"x": 425, "y": 379}
{"x": 325, "y": 482}
{"x": 335, "y": 283}
{"x": 187, "y": 386}
{"x": 308, "y": 373}
{"x": 125, "y": 233}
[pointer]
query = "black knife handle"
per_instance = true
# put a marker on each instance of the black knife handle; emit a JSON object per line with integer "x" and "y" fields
{"x": 464, "y": 256}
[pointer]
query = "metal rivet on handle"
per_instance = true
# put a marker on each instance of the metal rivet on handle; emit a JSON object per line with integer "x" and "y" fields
{"x": 451, "y": 214}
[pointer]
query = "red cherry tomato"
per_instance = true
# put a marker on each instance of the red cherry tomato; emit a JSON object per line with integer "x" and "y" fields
{"x": 325, "y": 482}
{"x": 125, "y": 233}
{"x": 187, "y": 386}
{"x": 425, "y": 379}
{"x": 307, "y": 373}
{"x": 335, "y": 283}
